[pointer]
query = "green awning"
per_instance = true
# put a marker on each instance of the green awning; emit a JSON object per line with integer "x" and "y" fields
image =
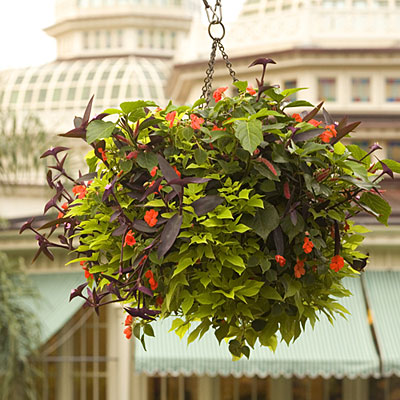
{"x": 383, "y": 294}
{"x": 53, "y": 308}
{"x": 343, "y": 350}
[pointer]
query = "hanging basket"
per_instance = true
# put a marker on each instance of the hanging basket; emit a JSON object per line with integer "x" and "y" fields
{"x": 235, "y": 215}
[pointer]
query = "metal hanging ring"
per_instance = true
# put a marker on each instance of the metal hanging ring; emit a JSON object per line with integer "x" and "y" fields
{"x": 223, "y": 30}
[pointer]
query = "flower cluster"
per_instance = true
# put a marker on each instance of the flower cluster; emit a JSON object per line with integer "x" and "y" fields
{"x": 237, "y": 216}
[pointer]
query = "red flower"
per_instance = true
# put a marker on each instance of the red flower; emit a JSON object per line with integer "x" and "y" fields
{"x": 286, "y": 190}
{"x": 297, "y": 117}
{"x": 280, "y": 260}
{"x": 128, "y": 320}
{"x": 177, "y": 172}
{"x": 337, "y": 263}
{"x": 299, "y": 270}
{"x": 128, "y": 332}
{"x": 314, "y": 122}
{"x": 251, "y": 91}
{"x": 218, "y": 93}
{"x": 159, "y": 301}
{"x": 60, "y": 215}
{"x": 129, "y": 239}
{"x": 151, "y": 217}
{"x": 328, "y": 134}
{"x": 268, "y": 164}
{"x": 196, "y": 121}
{"x": 159, "y": 187}
{"x": 144, "y": 258}
{"x": 64, "y": 206}
{"x": 308, "y": 245}
{"x": 153, "y": 284}
{"x": 149, "y": 274}
{"x": 153, "y": 171}
{"x": 87, "y": 273}
{"x": 215, "y": 128}
{"x": 80, "y": 191}
{"x": 103, "y": 153}
{"x": 171, "y": 117}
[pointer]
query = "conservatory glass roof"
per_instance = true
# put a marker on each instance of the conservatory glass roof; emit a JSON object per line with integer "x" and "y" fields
{"x": 64, "y": 85}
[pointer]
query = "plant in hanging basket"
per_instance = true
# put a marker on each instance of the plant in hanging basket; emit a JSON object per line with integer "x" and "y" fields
{"x": 235, "y": 216}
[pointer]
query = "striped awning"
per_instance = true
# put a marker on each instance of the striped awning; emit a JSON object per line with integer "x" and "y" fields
{"x": 383, "y": 296}
{"x": 53, "y": 308}
{"x": 345, "y": 349}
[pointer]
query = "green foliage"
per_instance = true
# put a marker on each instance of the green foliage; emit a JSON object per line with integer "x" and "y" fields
{"x": 240, "y": 214}
{"x": 19, "y": 334}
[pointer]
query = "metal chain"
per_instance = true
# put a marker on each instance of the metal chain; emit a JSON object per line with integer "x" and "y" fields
{"x": 214, "y": 17}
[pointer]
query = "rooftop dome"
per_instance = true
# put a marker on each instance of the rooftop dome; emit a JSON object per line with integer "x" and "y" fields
{"x": 282, "y": 24}
{"x": 57, "y": 91}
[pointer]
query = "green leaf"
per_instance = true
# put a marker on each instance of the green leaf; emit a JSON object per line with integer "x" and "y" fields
{"x": 187, "y": 303}
{"x": 200, "y": 156}
{"x": 129, "y": 106}
{"x": 147, "y": 160}
{"x": 249, "y": 134}
{"x": 241, "y": 85}
{"x": 270, "y": 293}
{"x": 377, "y": 204}
{"x": 235, "y": 260}
{"x": 264, "y": 112}
{"x": 299, "y": 103}
{"x": 198, "y": 102}
{"x": 289, "y": 92}
{"x": 264, "y": 222}
{"x": 187, "y": 133}
{"x": 182, "y": 265}
{"x": 112, "y": 111}
{"x": 99, "y": 129}
{"x": 148, "y": 330}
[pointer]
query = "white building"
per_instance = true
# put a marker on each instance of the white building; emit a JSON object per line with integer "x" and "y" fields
{"x": 347, "y": 52}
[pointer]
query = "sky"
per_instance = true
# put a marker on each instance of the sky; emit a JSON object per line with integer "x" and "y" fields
{"x": 21, "y": 28}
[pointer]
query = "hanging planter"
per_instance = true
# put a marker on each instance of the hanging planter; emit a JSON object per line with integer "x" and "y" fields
{"x": 237, "y": 215}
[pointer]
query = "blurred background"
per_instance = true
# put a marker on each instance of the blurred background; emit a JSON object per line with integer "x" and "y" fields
{"x": 55, "y": 55}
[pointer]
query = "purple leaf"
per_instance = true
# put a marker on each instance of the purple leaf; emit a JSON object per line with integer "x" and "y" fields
{"x": 143, "y": 313}
{"x": 26, "y": 225}
{"x": 185, "y": 181}
{"x": 54, "y": 222}
{"x": 78, "y": 291}
{"x": 386, "y": 169}
{"x": 141, "y": 226}
{"x": 169, "y": 235}
{"x": 278, "y": 240}
{"x": 337, "y": 238}
{"x": 109, "y": 189}
{"x": 120, "y": 230}
{"x": 152, "y": 189}
{"x": 88, "y": 110}
{"x": 313, "y": 112}
{"x": 168, "y": 172}
{"x": 293, "y": 217}
{"x": 145, "y": 290}
{"x": 75, "y": 133}
{"x": 312, "y": 133}
{"x": 77, "y": 122}
{"x": 262, "y": 61}
{"x": 53, "y": 151}
{"x": 206, "y": 204}
{"x": 327, "y": 117}
{"x": 341, "y": 133}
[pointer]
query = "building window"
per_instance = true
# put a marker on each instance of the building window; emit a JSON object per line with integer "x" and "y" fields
{"x": 120, "y": 38}
{"x": 33, "y": 79}
{"x": 140, "y": 41}
{"x": 85, "y": 40}
{"x": 393, "y": 89}
{"x": 393, "y": 150}
{"x": 108, "y": 39}
{"x": 162, "y": 39}
{"x": 90, "y": 75}
{"x": 151, "y": 39}
{"x": 76, "y": 76}
{"x": 47, "y": 78}
{"x": 115, "y": 92}
{"x": 319, "y": 388}
{"x": 173, "y": 40}
{"x": 19, "y": 79}
{"x": 291, "y": 84}
{"x": 14, "y": 96}
{"x": 327, "y": 89}
{"x": 360, "y": 89}
{"x": 62, "y": 77}
{"x": 42, "y": 95}
{"x": 360, "y": 3}
{"x": 57, "y": 94}
{"x": 97, "y": 39}
{"x": 120, "y": 74}
{"x": 28, "y": 96}
{"x": 100, "y": 92}
{"x": 105, "y": 75}
{"x": 86, "y": 93}
{"x": 71, "y": 93}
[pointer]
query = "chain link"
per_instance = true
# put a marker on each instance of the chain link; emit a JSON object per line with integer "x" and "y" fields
{"x": 214, "y": 17}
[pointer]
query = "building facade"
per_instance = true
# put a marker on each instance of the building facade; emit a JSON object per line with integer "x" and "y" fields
{"x": 347, "y": 53}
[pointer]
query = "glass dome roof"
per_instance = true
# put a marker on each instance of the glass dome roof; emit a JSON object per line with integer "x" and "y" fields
{"x": 68, "y": 85}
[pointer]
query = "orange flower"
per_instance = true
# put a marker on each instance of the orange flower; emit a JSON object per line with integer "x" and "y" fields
{"x": 337, "y": 263}
{"x": 149, "y": 274}
{"x": 80, "y": 191}
{"x": 128, "y": 332}
{"x": 314, "y": 122}
{"x": 218, "y": 93}
{"x": 171, "y": 118}
{"x": 215, "y": 128}
{"x": 280, "y": 260}
{"x": 177, "y": 172}
{"x": 153, "y": 284}
{"x": 308, "y": 245}
{"x": 297, "y": 117}
{"x": 128, "y": 320}
{"x": 196, "y": 121}
{"x": 159, "y": 301}
{"x": 251, "y": 91}
{"x": 151, "y": 217}
{"x": 153, "y": 172}
{"x": 328, "y": 134}
{"x": 103, "y": 153}
{"x": 64, "y": 206}
{"x": 299, "y": 270}
{"x": 87, "y": 273}
{"x": 60, "y": 215}
{"x": 129, "y": 239}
